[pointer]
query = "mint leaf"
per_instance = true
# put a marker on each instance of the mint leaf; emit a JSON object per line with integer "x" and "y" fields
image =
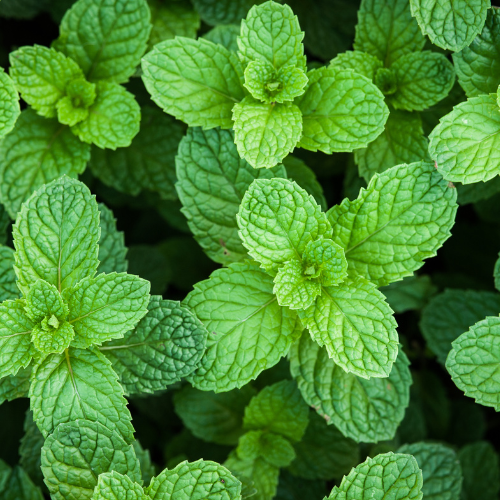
{"x": 464, "y": 144}
{"x": 56, "y": 235}
{"x": 363, "y": 410}
{"x": 106, "y": 47}
{"x": 164, "y": 347}
{"x": 392, "y": 245}
{"x": 41, "y": 75}
{"x": 210, "y": 173}
{"x": 277, "y": 219}
{"x": 78, "y": 452}
{"x": 278, "y": 408}
{"x": 323, "y": 259}
{"x": 112, "y": 250}
{"x": 271, "y": 32}
{"x": 196, "y": 81}
{"x": 87, "y": 387}
{"x": 225, "y": 34}
{"x": 248, "y": 330}
{"x": 9, "y": 104}
{"x": 148, "y": 469}
{"x": 112, "y": 486}
{"x": 113, "y": 119}
{"x": 265, "y": 133}
{"x": 30, "y": 448}
{"x": 106, "y": 307}
{"x": 15, "y": 386}
{"x": 342, "y": 111}
{"x": 215, "y": 12}
{"x": 73, "y": 108}
{"x": 386, "y": 30}
{"x": 36, "y": 152}
{"x": 8, "y": 287}
{"x": 361, "y": 62}
{"x": 18, "y": 485}
{"x": 412, "y": 293}
{"x": 273, "y": 448}
{"x": 43, "y": 300}
{"x": 190, "y": 481}
{"x": 450, "y": 24}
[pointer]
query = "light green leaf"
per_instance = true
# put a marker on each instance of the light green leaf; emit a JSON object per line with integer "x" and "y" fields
{"x": 441, "y": 470}
{"x": 410, "y": 294}
{"x": 478, "y": 65}
{"x": 271, "y": 32}
{"x": 386, "y": 30}
{"x": 278, "y": 408}
{"x": 56, "y": 235}
{"x": 112, "y": 250}
{"x": 361, "y": 62}
{"x": 474, "y": 362}
{"x": 78, "y": 384}
{"x": 248, "y": 330}
{"x": 212, "y": 180}
{"x": 41, "y": 75}
{"x": 51, "y": 336}
{"x": 106, "y": 307}
{"x": 265, "y": 133}
{"x": 377, "y": 478}
{"x": 148, "y": 163}
{"x": 78, "y": 452}
{"x": 190, "y": 481}
{"x": 383, "y": 244}
{"x": 43, "y": 299}
{"x": 9, "y": 104}
{"x": 402, "y": 141}
{"x": 18, "y": 485}
{"x": 225, "y": 34}
{"x": 36, "y": 152}
{"x": 450, "y": 24}
{"x": 342, "y": 111}
{"x": 15, "y": 386}
{"x": 196, "y": 81}
{"x": 323, "y": 259}
{"x": 8, "y": 287}
{"x": 277, "y": 219}
{"x": 115, "y": 486}
{"x": 106, "y": 38}
{"x": 422, "y": 79}
{"x": 273, "y": 448}
{"x": 215, "y": 12}
{"x": 466, "y": 142}
{"x": 113, "y": 119}
{"x": 164, "y": 347}
{"x": 73, "y": 108}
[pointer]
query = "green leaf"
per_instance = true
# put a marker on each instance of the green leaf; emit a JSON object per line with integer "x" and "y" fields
{"x": 190, "y": 481}
{"x": 106, "y": 307}
{"x": 9, "y": 104}
{"x": 265, "y": 133}
{"x": 423, "y": 79}
{"x": 36, "y": 152}
{"x": 361, "y": 62}
{"x": 216, "y": 12}
{"x": 478, "y": 65}
{"x": 196, "y": 81}
{"x": 73, "y": 108}
{"x": 15, "y": 386}
{"x": 342, "y": 111}
{"x": 43, "y": 299}
{"x": 277, "y": 219}
{"x": 451, "y": 313}
{"x": 226, "y": 35}
{"x": 450, "y": 24}
{"x": 148, "y": 163}
{"x": 148, "y": 469}
{"x": 212, "y": 179}
{"x": 465, "y": 143}
{"x": 115, "y": 486}
{"x": 164, "y": 347}
{"x": 112, "y": 250}
{"x": 248, "y": 330}
{"x": 323, "y": 259}
{"x": 402, "y": 141}
{"x": 383, "y": 244}
{"x": 41, "y": 75}
{"x": 273, "y": 448}
{"x": 30, "y": 448}
{"x": 78, "y": 452}
{"x": 271, "y": 32}
{"x": 386, "y": 30}
{"x": 410, "y": 294}
{"x": 474, "y": 362}
{"x": 18, "y": 485}
{"x": 106, "y": 47}
{"x": 363, "y": 410}
{"x": 278, "y": 408}
{"x": 113, "y": 119}
{"x": 78, "y": 384}
{"x": 441, "y": 470}
{"x": 56, "y": 235}
{"x": 216, "y": 418}
{"x": 377, "y": 478}
{"x": 8, "y": 287}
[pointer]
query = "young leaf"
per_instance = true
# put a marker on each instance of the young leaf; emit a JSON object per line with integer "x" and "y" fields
{"x": 363, "y": 410}
{"x": 106, "y": 38}
{"x": 265, "y": 133}
{"x": 277, "y": 219}
{"x": 43, "y": 299}
{"x": 78, "y": 384}
{"x": 76, "y": 454}
{"x": 342, "y": 111}
{"x": 56, "y": 235}
{"x": 450, "y": 24}
{"x": 164, "y": 347}
{"x": 248, "y": 330}
{"x": 325, "y": 260}
{"x": 112, "y": 250}
{"x": 73, "y": 108}
{"x": 212, "y": 180}
{"x": 8, "y": 287}
{"x": 196, "y": 81}
{"x": 466, "y": 142}
{"x": 9, "y": 104}
{"x": 361, "y": 62}
{"x": 36, "y": 152}
{"x": 112, "y": 486}
{"x": 392, "y": 244}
